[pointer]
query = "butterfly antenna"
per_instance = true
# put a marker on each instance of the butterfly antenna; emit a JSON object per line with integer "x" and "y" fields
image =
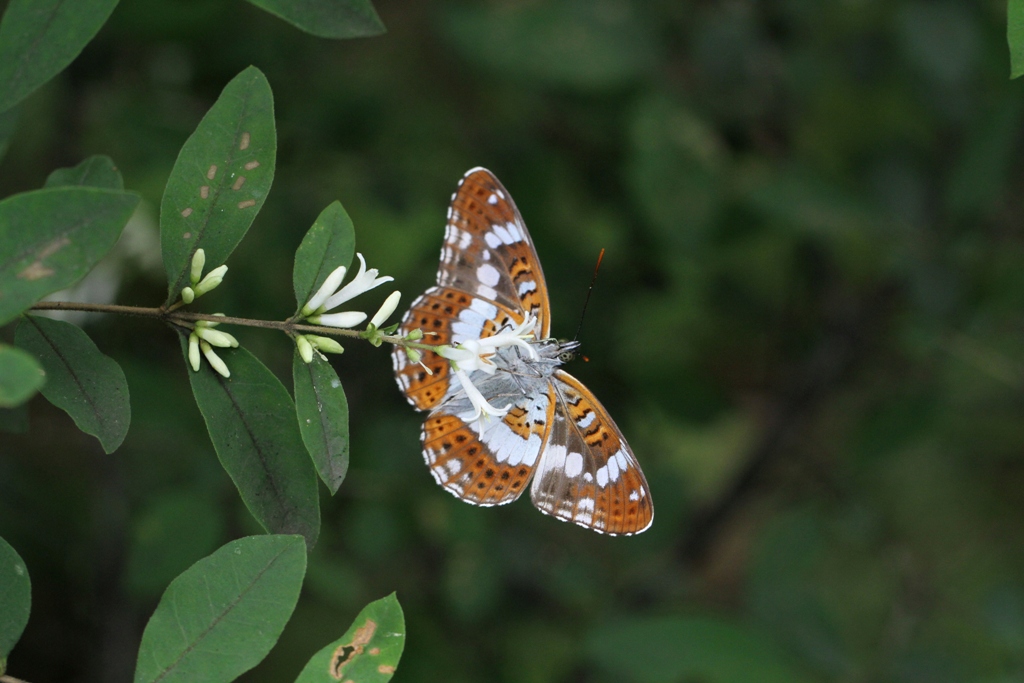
{"x": 590, "y": 289}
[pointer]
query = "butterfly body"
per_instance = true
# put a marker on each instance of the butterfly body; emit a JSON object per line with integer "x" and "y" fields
{"x": 547, "y": 427}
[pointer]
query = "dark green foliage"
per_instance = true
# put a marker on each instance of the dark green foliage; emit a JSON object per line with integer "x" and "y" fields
{"x": 49, "y": 239}
{"x": 80, "y": 380}
{"x": 38, "y": 38}
{"x": 327, "y": 18}
{"x": 322, "y": 410}
{"x": 221, "y": 617}
{"x": 808, "y": 325}
{"x": 220, "y": 180}
{"x": 251, "y": 420}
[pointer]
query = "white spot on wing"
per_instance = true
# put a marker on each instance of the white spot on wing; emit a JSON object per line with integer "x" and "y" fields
{"x": 493, "y": 199}
{"x": 493, "y": 241}
{"x": 573, "y": 464}
{"x": 488, "y": 274}
{"x": 587, "y": 421}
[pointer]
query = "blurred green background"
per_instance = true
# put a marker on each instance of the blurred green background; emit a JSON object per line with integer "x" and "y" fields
{"x": 808, "y": 323}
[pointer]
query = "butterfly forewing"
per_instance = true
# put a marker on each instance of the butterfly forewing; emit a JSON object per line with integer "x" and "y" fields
{"x": 587, "y": 473}
{"x": 446, "y": 316}
{"x": 488, "y": 251}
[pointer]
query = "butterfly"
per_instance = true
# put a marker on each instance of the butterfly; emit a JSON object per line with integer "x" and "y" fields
{"x": 546, "y": 426}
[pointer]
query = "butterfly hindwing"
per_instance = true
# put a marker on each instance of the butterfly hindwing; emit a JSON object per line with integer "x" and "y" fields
{"x": 492, "y": 466}
{"x": 587, "y": 473}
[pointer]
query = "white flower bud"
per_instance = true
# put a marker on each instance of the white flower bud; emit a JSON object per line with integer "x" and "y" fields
{"x": 214, "y": 360}
{"x": 211, "y": 281}
{"x": 193, "y": 352}
{"x": 344, "y": 319}
{"x": 198, "y": 262}
{"x": 386, "y": 309}
{"x": 326, "y": 344}
{"x": 305, "y": 349}
{"x": 216, "y": 337}
{"x": 188, "y": 295}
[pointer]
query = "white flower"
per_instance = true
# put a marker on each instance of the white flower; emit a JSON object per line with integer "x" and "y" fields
{"x": 386, "y": 309}
{"x": 343, "y": 319}
{"x": 328, "y": 288}
{"x": 481, "y": 408}
{"x": 475, "y": 354}
{"x": 364, "y": 281}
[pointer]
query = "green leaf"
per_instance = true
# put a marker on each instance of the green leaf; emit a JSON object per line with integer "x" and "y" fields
{"x": 38, "y": 38}
{"x": 688, "y": 648}
{"x": 368, "y": 652}
{"x": 49, "y": 240}
{"x": 15, "y": 598}
{"x": 251, "y": 420}
{"x": 1015, "y": 36}
{"x": 327, "y": 18}
{"x": 322, "y": 410}
{"x": 330, "y": 243}
{"x": 96, "y": 171}
{"x": 220, "y": 180}
{"x": 80, "y": 380}
{"x": 20, "y": 376}
{"x": 222, "y": 616}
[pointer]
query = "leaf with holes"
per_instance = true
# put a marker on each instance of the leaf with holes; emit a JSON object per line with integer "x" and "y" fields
{"x": 220, "y": 180}
{"x": 15, "y": 599}
{"x": 96, "y": 171}
{"x": 251, "y": 420}
{"x": 80, "y": 380}
{"x": 322, "y": 410}
{"x": 38, "y": 38}
{"x": 330, "y": 243}
{"x": 20, "y": 376}
{"x": 368, "y": 652}
{"x": 221, "y": 616}
{"x": 49, "y": 240}
{"x": 327, "y": 18}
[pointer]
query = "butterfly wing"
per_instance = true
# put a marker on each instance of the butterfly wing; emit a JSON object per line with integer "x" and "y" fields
{"x": 446, "y": 316}
{"x": 492, "y": 466}
{"x": 587, "y": 473}
{"x": 488, "y": 252}
{"x": 489, "y": 271}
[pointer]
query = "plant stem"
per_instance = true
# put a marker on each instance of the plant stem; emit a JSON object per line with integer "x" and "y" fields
{"x": 185, "y": 318}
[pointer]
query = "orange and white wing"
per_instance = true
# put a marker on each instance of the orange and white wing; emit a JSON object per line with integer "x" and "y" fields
{"x": 492, "y": 466}
{"x": 488, "y": 252}
{"x": 587, "y": 473}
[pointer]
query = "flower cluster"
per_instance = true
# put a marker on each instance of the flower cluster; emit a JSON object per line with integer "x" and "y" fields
{"x": 476, "y": 354}
{"x": 204, "y": 338}
{"x": 331, "y": 295}
{"x": 201, "y": 285}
